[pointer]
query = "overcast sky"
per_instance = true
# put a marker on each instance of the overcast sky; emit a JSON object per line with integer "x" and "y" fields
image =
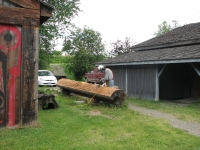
{"x": 136, "y": 19}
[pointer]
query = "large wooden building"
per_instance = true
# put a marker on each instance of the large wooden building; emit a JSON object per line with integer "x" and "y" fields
{"x": 19, "y": 37}
{"x": 162, "y": 68}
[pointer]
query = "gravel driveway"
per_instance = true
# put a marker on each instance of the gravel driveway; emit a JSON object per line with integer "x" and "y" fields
{"x": 191, "y": 127}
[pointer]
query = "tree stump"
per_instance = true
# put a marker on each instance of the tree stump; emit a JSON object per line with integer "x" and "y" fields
{"x": 46, "y": 101}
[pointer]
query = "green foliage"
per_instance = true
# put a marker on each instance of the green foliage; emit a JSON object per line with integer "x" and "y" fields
{"x": 79, "y": 64}
{"x": 69, "y": 74}
{"x": 59, "y": 23}
{"x": 86, "y": 47}
{"x": 120, "y": 47}
{"x": 166, "y": 27}
{"x": 57, "y": 57}
{"x": 44, "y": 59}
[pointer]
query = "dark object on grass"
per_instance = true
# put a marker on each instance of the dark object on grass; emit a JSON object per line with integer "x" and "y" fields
{"x": 46, "y": 101}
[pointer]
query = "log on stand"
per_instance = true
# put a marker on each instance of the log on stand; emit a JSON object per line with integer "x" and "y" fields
{"x": 106, "y": 94}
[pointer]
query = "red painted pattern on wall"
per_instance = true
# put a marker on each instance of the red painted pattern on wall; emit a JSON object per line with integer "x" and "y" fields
{"x": 14, "y": 73}
{"x": 12, "y": 41}
{"x": 15, "y": 31}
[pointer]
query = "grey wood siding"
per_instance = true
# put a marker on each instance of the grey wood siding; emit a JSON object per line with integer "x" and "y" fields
{"x": 119, "y": 76}
{"x": 137, "y": 81}
{"x": 141, "y": 81}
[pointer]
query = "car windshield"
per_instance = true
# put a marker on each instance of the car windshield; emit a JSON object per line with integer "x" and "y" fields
{"x": 45, "y": 73}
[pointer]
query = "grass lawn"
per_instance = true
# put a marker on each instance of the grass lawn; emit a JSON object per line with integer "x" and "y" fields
{"x": 103, "y": 127}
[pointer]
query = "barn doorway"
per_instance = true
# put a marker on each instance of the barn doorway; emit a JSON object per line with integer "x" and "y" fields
{"x": 179, "y": 81}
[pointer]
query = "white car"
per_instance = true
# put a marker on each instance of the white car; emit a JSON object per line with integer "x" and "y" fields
{"x": 46, "y": 78}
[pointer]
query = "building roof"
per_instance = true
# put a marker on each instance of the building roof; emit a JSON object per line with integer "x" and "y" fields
{"x": 177, "y": 46}
{"x": 47, "y": 8}
{"x": 57, "y": 69}
{"x": 185, "y": 35}
{"x": 43, "y": 2}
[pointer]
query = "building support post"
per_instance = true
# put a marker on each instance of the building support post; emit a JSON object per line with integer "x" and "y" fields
{"x": 126, "y": 81}
{"x": 157, "y": 85}
{"x": 158, "y": 74}
{"x": 196, "y": 69}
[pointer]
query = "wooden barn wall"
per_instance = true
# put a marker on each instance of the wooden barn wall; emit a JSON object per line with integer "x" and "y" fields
{"x": 3, "y": 93}
{"x": 119, "y": 73}
{"x": 19, "y": 29}
{"x": 16, "y": 15}
{"x": 140, "y": 82}
{"x": 179, "y": 81}
{"x": 10, "y": 76}
{"x": 29, "y": 72}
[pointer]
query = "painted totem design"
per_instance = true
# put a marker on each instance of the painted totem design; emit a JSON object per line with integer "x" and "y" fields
{"x": 10, "y": 62}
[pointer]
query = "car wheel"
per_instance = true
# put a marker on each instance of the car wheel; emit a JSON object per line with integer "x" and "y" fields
{"x": 86, "y": 80}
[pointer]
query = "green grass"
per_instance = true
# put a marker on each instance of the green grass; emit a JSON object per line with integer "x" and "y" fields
{"x": 72, "y": 127}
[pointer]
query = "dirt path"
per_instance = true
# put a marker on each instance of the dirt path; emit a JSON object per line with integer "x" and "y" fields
{"x": 191, "y": 127}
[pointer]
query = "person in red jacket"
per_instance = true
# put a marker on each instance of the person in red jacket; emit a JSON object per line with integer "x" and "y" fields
{"x": 108, "y": 75}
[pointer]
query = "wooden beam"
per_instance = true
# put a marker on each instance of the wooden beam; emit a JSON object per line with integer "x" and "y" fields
{"x": 12, "y": 15}
{"x": 33, "y": 4}
{"x": 46, "y": 12}
{"x": 196, "y": 69}
{"x": 28, "y": 71}
{"x": 163, "y": 68}
{"x": 11, "y": 20}
{"x": 19, "y": 12}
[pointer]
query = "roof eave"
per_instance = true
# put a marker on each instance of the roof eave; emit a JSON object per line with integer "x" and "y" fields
{"x": 150, "y": 62}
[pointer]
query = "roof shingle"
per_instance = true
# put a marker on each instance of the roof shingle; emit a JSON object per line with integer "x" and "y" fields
{"x": 187, "y": 34}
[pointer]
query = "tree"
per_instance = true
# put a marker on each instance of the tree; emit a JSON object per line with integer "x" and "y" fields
{"x": 166, "y": 27}
{"x": 120, "y": 47}
{"x": 55, "y": 27}
{"x": 86, "y": 47}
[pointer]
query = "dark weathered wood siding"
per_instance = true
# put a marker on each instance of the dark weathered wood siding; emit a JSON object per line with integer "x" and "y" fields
{"x": 29, "y": 72}
{"x": 19, "y": 29}
{"x": 3, "y": 93}
{"x": 18, "y": 16}
{"x": 137, "y": 81}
